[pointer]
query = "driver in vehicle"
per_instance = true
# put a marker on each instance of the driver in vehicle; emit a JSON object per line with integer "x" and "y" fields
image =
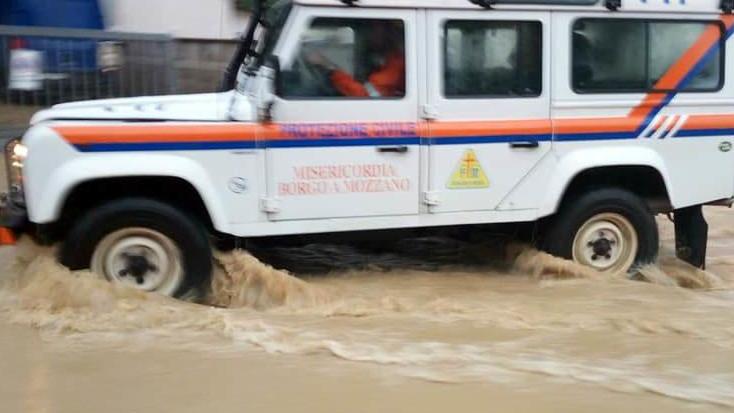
{"x": 386, "y": 79}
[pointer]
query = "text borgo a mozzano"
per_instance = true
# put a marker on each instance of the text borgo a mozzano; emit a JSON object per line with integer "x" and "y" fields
{"x": 346, "y": 178}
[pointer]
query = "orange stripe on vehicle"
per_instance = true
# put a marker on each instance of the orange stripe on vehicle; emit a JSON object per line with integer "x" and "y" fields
{"x": 490, "y": 128}
{"x": 649, "y": 103}
{"x": 710, "y": 122}
{"x": 600, "y": 125}
{"x": 80, "y": 135}
{"x": 673, "y": 121}
{"x": 270, "y": 131}
{"x": 658, "y": 123}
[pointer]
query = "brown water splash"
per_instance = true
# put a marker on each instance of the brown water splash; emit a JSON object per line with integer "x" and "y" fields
{"x": 477, "y": 323}
{"x": 241, "y": 280}
{"x": 670, "y": 271}
{"x": 540, "y": 265}
{"x": 40, "y": 283}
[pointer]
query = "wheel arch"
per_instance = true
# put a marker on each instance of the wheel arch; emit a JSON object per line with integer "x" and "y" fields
{"x": 640, "y": 171}
{"x": 642, "y": 180}
{"x": 172, "y": 190}
{"x": 83, "y": 183}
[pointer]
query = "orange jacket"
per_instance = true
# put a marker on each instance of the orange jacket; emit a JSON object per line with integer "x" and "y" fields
{"x": 388, "y": 80}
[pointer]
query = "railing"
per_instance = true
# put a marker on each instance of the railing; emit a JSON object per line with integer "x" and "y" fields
{"x": 43, "y": 66}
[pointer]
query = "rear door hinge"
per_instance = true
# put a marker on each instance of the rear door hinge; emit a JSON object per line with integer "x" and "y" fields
{"x": 431, "y": 198}
{"x": 429, "y": 112}
{"x": 270, "y": 205}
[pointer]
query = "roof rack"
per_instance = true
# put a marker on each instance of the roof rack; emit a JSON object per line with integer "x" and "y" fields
{"x": 727, "y": 6}
{"x": 349, "y": 3}
{"x": 613, "y": 5}
{"x": 488, "y": 4}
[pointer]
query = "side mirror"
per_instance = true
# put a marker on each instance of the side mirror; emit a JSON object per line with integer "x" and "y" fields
{"x": 267, "y": 87}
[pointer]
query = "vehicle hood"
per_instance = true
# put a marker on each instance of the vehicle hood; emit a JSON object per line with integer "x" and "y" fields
{"x": 207, "y": 107}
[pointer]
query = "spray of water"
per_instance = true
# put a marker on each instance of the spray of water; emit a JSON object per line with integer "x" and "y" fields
{"x": 241, "y": 280}
{"x": 529, "y": 314}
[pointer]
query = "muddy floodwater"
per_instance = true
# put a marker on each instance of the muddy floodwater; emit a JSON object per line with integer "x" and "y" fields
{"x": 527, "y": 333}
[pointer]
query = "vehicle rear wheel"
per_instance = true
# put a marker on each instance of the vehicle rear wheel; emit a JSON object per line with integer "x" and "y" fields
{"x": 610, "y": 230}
{"x": 143, "y": 243}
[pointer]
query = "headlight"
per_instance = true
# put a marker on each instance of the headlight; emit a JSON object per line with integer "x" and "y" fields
{"x": 20, "y": 151}
{"x": 15, "y": 156}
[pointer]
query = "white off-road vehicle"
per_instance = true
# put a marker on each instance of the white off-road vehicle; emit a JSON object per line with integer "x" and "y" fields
{"x": 587, "y": 117}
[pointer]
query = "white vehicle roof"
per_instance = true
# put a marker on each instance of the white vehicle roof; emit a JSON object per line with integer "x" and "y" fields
{"x": 677, "y": 6}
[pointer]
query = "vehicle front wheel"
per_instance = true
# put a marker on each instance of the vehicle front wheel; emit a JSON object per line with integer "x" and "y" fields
{"x": 143, "y": 243}
{"x": 610, "y": 230}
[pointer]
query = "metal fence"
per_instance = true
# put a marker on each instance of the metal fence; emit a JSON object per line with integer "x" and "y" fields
{"x": 44, "y": 66}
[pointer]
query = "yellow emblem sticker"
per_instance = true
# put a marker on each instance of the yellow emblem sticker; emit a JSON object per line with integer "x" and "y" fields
{"x": 468, "y": 174}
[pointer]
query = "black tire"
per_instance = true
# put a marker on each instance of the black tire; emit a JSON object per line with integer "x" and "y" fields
{"x": 186, "y": 232}
{"x": 558, "y": 238}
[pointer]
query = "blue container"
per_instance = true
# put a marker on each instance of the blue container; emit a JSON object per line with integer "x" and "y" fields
{"x": 60, "y": 55}
{"x": 79, "y": 14}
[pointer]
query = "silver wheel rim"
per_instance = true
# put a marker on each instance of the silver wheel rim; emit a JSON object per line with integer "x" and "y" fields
{"x": 141, "y": 258}
{"x": 606, "y": 242}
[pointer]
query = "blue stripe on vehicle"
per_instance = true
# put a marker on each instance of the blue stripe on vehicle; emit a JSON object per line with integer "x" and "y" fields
{"x": 696, "y": 133}
{"x": 462, "y": 140}
{"x": 318, "y": 143}
{"x": 653, "y": 130}
{"x": 577, "y": 137}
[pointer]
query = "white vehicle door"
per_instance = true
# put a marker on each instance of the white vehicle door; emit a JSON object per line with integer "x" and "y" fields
{"x": 344, "y": 140}
{"x": 488, "y": 105}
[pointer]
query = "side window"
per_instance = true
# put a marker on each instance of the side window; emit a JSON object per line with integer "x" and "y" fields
{"x": 348, "y": 58}
{"x": 492, "y": 58}
{"x": 630, "y": 56}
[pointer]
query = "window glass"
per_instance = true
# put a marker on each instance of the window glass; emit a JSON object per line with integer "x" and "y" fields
{"x": 348, "y": 58}
{"x": 669, "y": 41}
{"x": 491, "y": 58}
{"x": 617, "y": 56}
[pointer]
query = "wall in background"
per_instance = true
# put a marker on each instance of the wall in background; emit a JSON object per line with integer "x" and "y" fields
{"x": 189, "y": 19}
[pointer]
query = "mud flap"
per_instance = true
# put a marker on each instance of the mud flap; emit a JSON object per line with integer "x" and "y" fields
{"x": 691, "y": 236}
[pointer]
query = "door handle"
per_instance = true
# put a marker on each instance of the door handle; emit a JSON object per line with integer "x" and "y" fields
{"x": 525, "y": 145}
{"x": 392, "y": 149}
